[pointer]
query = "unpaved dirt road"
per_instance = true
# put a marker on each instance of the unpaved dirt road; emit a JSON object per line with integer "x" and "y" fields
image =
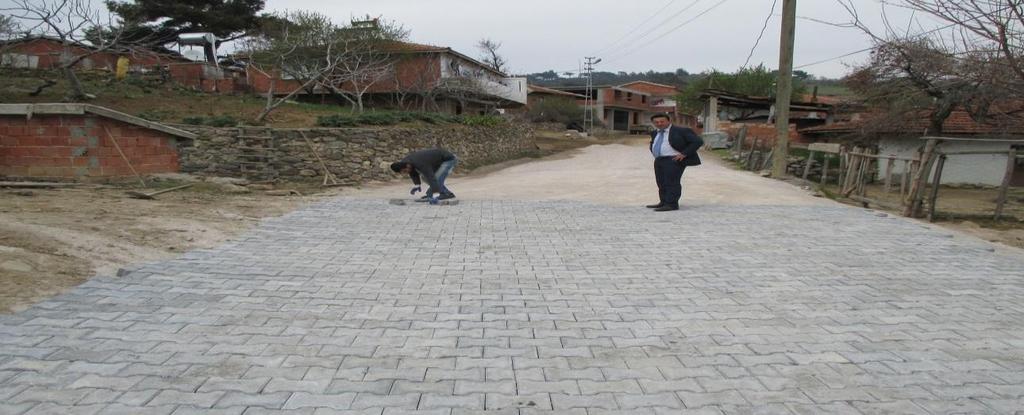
{"x": 619, "y": 174}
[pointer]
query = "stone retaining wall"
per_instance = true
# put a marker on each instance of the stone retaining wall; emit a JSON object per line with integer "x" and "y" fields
{"x": 353, "y": 155}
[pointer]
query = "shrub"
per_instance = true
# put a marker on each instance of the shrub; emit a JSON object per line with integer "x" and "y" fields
{"x": 193, "y": 120}
{"x": 222, "y": 121}
{"x": 482, "y": 120}
{"x": 560, "y": 110}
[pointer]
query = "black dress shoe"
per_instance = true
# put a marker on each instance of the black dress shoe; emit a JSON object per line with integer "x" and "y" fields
{"x": 655, "y": 206}
{"x": 666, "y": 208}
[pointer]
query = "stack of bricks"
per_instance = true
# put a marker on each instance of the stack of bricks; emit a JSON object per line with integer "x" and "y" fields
{"x": 81, "y": 147}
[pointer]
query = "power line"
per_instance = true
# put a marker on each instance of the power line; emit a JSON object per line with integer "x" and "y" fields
{"x": 670, "y": 31}
{"x": 758, "y": 41}
{"x": 834, "y": 58}
{"x": 609, "y": 46}
{"x": 654, "y": 28}
{"x": 927, "y": 32}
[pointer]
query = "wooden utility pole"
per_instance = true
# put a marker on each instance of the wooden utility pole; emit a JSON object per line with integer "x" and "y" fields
{"x": 785, "y": 88}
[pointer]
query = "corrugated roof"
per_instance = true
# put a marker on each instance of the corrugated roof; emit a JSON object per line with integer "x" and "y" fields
{"x": 536, "y": 88}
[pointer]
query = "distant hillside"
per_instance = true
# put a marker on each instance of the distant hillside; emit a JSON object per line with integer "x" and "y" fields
{"x": 678, "y": 79}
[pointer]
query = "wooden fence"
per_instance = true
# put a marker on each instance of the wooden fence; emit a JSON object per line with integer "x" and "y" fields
{"x": 861, "y": 166}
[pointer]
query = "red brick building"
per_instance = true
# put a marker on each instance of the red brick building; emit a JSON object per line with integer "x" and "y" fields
{"x": 663, "y": 101}
{"x": 83, "y": 142}
{"x": 422, "y": 77}
{"x": 42, "y": 52}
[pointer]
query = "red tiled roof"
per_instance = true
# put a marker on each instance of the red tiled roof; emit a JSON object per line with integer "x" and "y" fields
{"x": 958, "y": 123}
{"x": 414, "y": 47}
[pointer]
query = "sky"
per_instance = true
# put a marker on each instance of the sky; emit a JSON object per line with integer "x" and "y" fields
{"x": 630, "y": 36}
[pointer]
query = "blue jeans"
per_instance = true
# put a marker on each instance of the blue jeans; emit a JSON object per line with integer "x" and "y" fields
{"x": 442, "y": 174}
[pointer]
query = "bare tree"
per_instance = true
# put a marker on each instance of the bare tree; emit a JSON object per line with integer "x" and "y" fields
{"x": 8, "y": 27}
{"x": 989, "y": 25}
{"x": 489, "y": 48}
{"x": 364, "y": 58}
{"x": 358, "y": 67}
{"x": 68, "y": 21}
{"x": 297, "y": 45}
{"x": 8, "y": 31}
{"x": 933, "y": 73}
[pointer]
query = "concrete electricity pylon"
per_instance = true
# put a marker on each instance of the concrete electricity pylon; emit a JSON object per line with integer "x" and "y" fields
{"x": 588, "y": 107}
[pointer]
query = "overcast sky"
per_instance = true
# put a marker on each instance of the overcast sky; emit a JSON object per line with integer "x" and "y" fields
{"x": 538, "y": 35}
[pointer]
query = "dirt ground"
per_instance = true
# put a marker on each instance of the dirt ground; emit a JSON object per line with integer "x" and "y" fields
{"x": 968, "y": 210}
{"x": 54, "y": 239}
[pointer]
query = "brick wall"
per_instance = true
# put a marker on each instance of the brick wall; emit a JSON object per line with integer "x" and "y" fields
{"x": 762, "y": 134}
{"x": 79, "y": 147}
{"x": 48, "y": 54}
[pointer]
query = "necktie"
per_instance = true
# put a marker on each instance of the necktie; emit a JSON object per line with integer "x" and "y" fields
{"x": 657, "y": 143}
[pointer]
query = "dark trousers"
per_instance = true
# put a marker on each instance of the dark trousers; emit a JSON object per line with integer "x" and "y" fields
{"x": 668, "y": 173}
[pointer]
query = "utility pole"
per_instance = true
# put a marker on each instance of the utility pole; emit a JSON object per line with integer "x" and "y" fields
{"x": 785, "y": 88}
{"x": 588, "y": 108}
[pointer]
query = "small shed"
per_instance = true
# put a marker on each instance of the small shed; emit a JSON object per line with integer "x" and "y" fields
{"x": 964, "y": 134}
{"x": 84, "y": 142}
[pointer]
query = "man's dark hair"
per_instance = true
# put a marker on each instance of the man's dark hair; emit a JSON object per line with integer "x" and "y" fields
{"x": 661, "y": 115}
{"x": 397, "y": 166}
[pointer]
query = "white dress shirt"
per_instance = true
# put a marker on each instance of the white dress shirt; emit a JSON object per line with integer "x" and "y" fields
{"x": 666, "y": 149}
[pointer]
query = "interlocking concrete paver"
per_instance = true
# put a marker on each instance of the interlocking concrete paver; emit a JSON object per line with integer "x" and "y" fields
{"x": 356, "y": 306}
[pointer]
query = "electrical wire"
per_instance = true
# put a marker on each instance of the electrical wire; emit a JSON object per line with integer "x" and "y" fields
{"x": 642, "y": 23}
{"x": 763, "y": 28}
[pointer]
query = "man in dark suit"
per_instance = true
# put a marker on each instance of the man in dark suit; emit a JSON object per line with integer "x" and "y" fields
{"x": 674, "y": 148}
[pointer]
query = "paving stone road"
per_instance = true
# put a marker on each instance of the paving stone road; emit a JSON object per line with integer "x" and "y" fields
{"x": 360, "y": 307}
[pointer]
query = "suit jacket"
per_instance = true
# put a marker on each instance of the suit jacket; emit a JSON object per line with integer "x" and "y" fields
{"x": 683, "y": 140}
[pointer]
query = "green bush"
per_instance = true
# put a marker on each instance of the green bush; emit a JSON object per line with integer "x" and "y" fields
{"x": 222, "y": 121}
{"x": 381, "y": 118}
{"x": 560, "y": 110}
{"x": 153, "y": 115}
{"x": 336, "y": 120}
{"x": 215, "y": 121}
{"x": 482, "y": 120}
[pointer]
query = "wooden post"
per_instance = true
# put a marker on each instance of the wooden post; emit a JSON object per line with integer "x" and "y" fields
{"x": 768, "y": 160}
{"x": 889, "y": 166}
{"x": 843, "y": 160}
{"x": 785, "y": 88}
{"x": 329, "y": 178}
{"x": 740, "y": 138}
{"x": 908, "y": 172}
{"x": 862, "y": 175}
{"x": 123, "y": 157}
{"x": 824, "y": 167}
{"x": 750, "y": 155}
{"x": 1011, "y": 163}
{"x": 851, "y": 171}
{"x": 913, "y": 203}
{"x": 807, "y": 167}
{"x": 936, "y": 182}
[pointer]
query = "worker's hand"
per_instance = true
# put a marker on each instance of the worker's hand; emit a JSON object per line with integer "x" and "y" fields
{"x": 679, "y": 157}
{"x": 415, "y": 189}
